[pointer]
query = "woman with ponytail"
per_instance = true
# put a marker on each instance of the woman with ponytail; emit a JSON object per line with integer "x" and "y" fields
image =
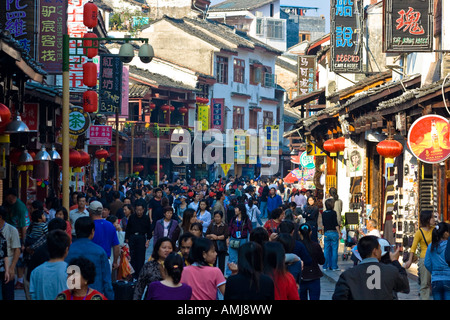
{"x": 170, "y": 288}
{"x": 436, "y": 264}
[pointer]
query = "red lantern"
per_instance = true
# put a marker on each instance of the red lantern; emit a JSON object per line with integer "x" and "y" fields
{"x": 90, "y": 101}
{"x": 171, "y": 108}
{"x": 85, "y": 158}
{"x": 183, "y": 110}
{"x": 152, "y": 106}
{"x": 90, "y": 74}
{"x": 165, "y": 108}
{"x": 329, "y": 146}
{"x": 90, "y": 13}
{"x": 113, "y": 157}
{"x": 138, "y": 167}
{"x": 5, "y": 115}
{"x": 101, "y": 154}
{"x": 74, "y": 158}
{"x": 90, "y": 52}
{"x": 339, "y": 143}
{"x": 389, "y": 148}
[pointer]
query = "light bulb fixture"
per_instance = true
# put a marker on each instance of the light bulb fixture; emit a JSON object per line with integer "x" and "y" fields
{"x": 43, "y": 155}
{"x": 54, "y": 155}
{"x": 17, "y": 126}
{"x": 25, "y": 157}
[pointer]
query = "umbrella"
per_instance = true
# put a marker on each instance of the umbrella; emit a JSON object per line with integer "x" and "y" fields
{"x": 290, "y": 178}
{"x": 295, "y": 159}
{"x": 297, "y": 173}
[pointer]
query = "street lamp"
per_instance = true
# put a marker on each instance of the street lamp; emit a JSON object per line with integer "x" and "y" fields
{"x": 146, "y": 55}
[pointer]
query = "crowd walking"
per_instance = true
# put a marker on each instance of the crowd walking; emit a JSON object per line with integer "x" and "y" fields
{"x": 230, "y": 239}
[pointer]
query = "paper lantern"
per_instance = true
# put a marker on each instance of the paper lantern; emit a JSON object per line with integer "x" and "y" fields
{"x": 171, "y": 108}
{"x": 389, "y": 148}
{"x": 101, "y": 154}
{"x": 152, "y": 106}
{"x": 339, "y": 144}
{"x": 183, "y": 110}
{"x": 90, "y": 52}
{"x": 85, "y": 158}
{"x": 90, "y": 13}
{"x": 165, "y": 108}
{"x": 329, "y": 146}
{"x": 113, "y": 157}
{"x": 90, "y": 101}
{"x": 5, "y": 115}
{"x": 74, "y": 158}
{"x": 138, "y": 167}
{"x": 90, "y": 74}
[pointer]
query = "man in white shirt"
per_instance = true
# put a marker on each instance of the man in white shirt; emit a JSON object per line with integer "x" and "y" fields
{"x": 372, "y": 229}
{"x": 81, "y": 211}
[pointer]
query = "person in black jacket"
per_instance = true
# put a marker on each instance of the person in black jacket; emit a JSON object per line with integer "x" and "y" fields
{"x": 371, "y": 279}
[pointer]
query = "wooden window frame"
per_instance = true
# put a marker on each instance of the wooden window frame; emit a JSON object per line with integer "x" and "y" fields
{"x": 222, "y": 69}
{"x": 239, "y": 70}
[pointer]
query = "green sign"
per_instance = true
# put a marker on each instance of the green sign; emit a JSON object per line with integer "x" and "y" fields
{"x": 79, "y": 121}
{"x": 306, "y": 161}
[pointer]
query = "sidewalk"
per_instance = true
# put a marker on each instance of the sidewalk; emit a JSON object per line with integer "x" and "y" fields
{"x": 333, "y": 276}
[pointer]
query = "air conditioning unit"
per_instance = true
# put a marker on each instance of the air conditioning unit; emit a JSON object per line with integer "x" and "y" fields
{"x": 259, "y": 14}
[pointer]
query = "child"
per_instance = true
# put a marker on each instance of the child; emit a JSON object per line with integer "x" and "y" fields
{"x": 37, "y": 229}
{"x": 63, "y": 214}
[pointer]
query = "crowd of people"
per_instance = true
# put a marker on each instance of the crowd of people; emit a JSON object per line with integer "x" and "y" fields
{"x": 229, "y": 239}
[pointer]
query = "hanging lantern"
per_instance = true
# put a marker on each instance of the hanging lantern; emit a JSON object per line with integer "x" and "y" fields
{"x": 339, "y": 144}
{"x": 5, "y": 115}
{"x": 74, "y": 158}
{"x": 90, "y": 13}
{"x": 101, "y": 154}
{"x": 171, "y": 108}
{"x": 138, "y": 167}
{"x": 90, "y": 74}
{"x": 165, "y": 108}
{"x": 85, "y": 158}
{"x": 183, "y": 110}
{"x": 90, "y": 101}
{"x": 152, "y": 106}
{"x": 90, "y": 52}
{"x": 329, "y": 146}
{"x": 113, "y": 157}
{"x": 389, "y": 148}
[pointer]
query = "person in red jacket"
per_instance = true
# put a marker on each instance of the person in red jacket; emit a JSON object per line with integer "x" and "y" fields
{"x": 274, "y": 266}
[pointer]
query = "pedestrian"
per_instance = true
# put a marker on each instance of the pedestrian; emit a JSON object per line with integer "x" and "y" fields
{"x": 250, "y": 283}
{"x": 332, "y": 235}
{"x": 137, "y": 236}
{"x": 218, "y": 233}
{"x": 4, "y": 261}
{"x": 184, "y": 246}
{"x": 436, "y": 264}
{"x": 166, "y": 227}
{"x": 311, "y": 215}
{"x": 195, "y": 197}
{"x": 170, "y": 288}
{"x": 188, "y": 219}
{"x": 105, "y": 234}
{"x": 37, "y": 228}
{"x": 204, "y": 279}
{"x": 116, "y": 204}
{"x": 127, "y": 210}
{"x": 153, "y": 270}
{"x": 264, "y": 194}
{"x": 338, "y": 204}
{"x": 259, "y": 235}
{"x": 219, "y": 204}
{"x": 84, "y": 247}
{"x": 50, "y": 278}
{"x": 274, "y": 201}
{"x": 372, "y": 229}
{"x": 155, "y": 207}
{"x": 272, "y": 224}
{"x": 292, "y": 261}
{"x": 196, "y": 229}
{"x": 358, "y": 283}
{"x": 311, "y": 273}
{"x": 239, "y": 229}
{"x": 254, "y": 213}
{"x": 86, "y": 274}
{"x": 203, "y": 215}
{"x": 80, "y": 211}
{"x": 285, "y": 287}
{"x": 13, "y": 246}
{"x": 180, "y": 205}
{"x": 62, "y": 213}
{"x": 423, "y": 238}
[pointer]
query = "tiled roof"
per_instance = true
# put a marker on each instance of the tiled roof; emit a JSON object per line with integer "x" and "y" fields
{"x": 138, "y": 90}
{"x": 238, "y": 5}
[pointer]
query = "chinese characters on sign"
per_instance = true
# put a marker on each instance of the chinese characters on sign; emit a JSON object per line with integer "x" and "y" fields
{"x": 408, "y": 25}
{"x": 306, "y": 74}
{"x": 110, "y": 86}
{"x": 203, "y": 116}
{"x": 100, "y": 135}
{"x": 217, "y": 114}
{"x": 346, "y": 34}
{"x": 52, "y": 24}
{"x": 18, "y": 18}
{"x": 79, "y": 121}
{"x": 30, "y": 115}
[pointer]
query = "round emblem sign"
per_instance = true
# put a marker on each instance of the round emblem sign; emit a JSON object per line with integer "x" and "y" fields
{"x": 428, "y": 139}
{"x": 307, "y": 161}
{"x": 79, "y": 121}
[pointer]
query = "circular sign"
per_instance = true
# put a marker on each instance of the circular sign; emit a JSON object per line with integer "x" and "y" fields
{"x": 79, "y": 121}
{"x": 428, "y": 139}
{"x": 307, "y": 161}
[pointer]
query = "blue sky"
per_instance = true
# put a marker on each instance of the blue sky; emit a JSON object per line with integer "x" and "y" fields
{"x": 323, "y": 5}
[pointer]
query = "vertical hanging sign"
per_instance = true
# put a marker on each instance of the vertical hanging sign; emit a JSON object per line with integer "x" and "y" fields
{"x": 110, "y": 84}
{"x": 346, "y": 36}
{"x": 408, "y": 25}
{"x": 306, "y": 74}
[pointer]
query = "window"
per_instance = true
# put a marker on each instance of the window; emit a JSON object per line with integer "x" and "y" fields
{"x": 269, "y": 78}
{"x": 259, "y": 26}
{"x": 238, "y": 118}
{"x": 253, "y": 119}
{"x": 275, "y": 29}
{"x": 239, "y": 70}
{"x": 255, "y": 74}
{"x": 267, "y": 118}
{"x": 222, "y": 69}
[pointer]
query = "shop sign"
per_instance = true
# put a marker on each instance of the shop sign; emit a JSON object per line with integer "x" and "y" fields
{"x": 306, "y": 161}
{"x": 217, "y": 114}
{"x": 313, "y": 150}
{"x": 428, "y": 139}
{"x": 346, "y": 36}
{"x": 100, "y": 135}
{"x": 306, "y": 74}
{"x": 203, "y": 116}
{"x": 110, "y": 84}
{"x": 79, "y": 121}
{"x": 408, "y": 25}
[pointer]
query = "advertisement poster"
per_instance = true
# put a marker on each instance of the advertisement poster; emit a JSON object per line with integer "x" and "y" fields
{"x": 355, "y": 162}
{"x": 428, "y": 139}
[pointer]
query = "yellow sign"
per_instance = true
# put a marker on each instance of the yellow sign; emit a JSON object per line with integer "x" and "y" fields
{"x": 203, "y": 116}
{"x": 313, "y": 150}
{"x": 225, "y": 167}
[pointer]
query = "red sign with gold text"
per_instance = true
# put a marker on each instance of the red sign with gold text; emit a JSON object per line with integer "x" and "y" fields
{"x": 428, "y": 139}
